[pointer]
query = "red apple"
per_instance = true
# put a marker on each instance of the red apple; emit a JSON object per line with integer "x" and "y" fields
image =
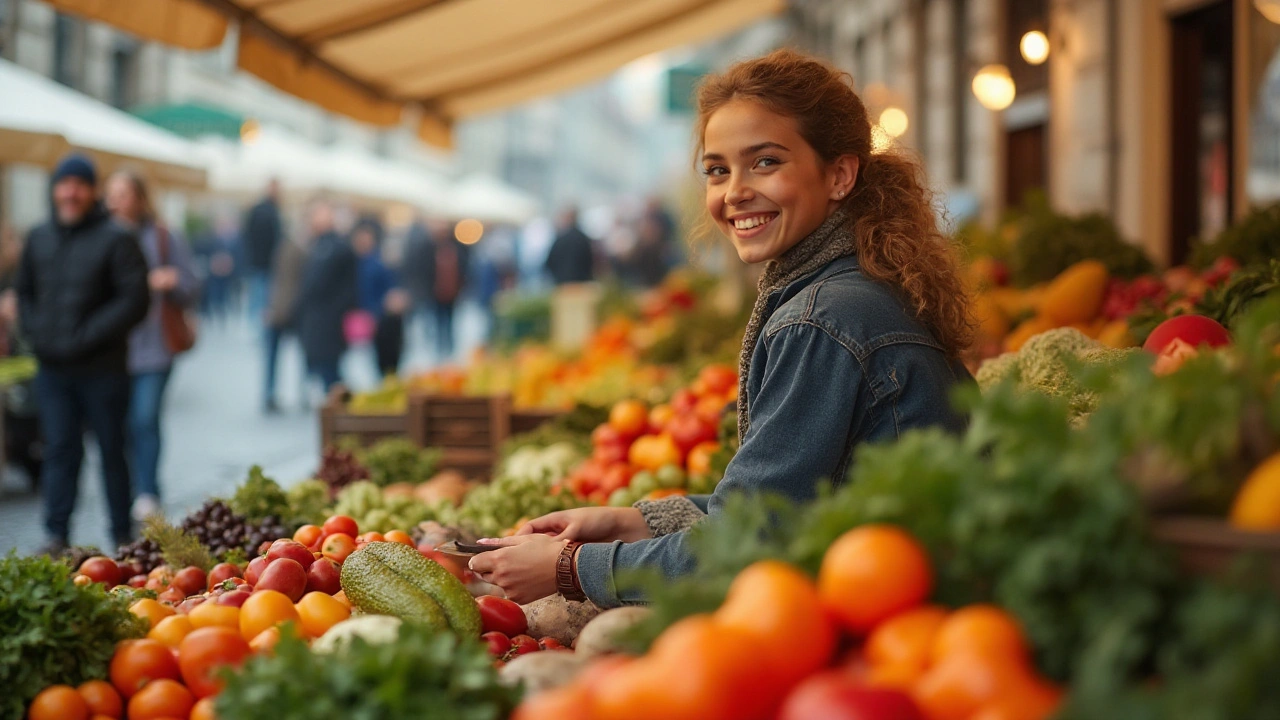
{"x": 835, "y": 695}
{"x": 254, "y": 571}
{"x": 1194, "y": 330}
{"x": 285, "y": 575}
{"x": 324, "y": 576}
{"x": 295, "y": 551}
{"x": 235, "y": 598}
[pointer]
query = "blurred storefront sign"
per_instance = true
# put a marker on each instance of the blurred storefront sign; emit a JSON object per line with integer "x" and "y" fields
{"x": 193, "y": 120}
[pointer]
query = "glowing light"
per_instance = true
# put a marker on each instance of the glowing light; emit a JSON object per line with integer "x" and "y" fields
{"x": 894, "y": 121}
{"x": 881, "y": 140}
{"x": 994, "y": 88}
{"x": 1270, "y": 9}
{"x": 468, "y": 232}
{"x": 250, "y": 131}
{"x": 1034, "y": 47}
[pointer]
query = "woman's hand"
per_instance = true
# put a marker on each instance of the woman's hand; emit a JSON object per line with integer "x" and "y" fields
{"x": 525, "y": 567}
{"x": 595, "y": 524}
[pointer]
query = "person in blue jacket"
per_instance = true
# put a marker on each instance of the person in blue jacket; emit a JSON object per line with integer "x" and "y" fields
{"x": 377, "y": 289}
{"x": 855, "y": 337}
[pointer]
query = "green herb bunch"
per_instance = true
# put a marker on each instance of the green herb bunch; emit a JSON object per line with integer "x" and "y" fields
{"x": 54, "y": 631}
{"x": 397, "y": 460}
{"x": 424, "y": 675}
{"x": 259, "y": 497}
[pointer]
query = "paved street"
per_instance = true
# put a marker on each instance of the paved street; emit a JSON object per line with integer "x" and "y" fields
{"x": 214, "y": 430}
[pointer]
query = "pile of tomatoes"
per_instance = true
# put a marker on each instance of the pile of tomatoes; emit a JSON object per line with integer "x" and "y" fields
{"x": 679, "y": 436}
{"x": 505, "y": 630}
{"x": 859, "y": 643}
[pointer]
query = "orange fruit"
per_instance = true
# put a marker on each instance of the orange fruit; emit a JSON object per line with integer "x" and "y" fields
{"x": 962, "y": 684}
{"x": 1033, "y": 699}
{"x": 265, "y": 641}
{"x": 137, "y": 663}
{"x": 317, "y": 612}
{"x": 171, "y": 630}
{"x": 776, "y": 605}
{"x": 872, "y": 573}
{"x": 1257, "y": 505}
{"x": 709, "y": 671}
{"x": 264, "y": 609}
{"x": 400, "y": 536}
{"x": 203, "y": 655}
{"x": 719, "y": 379}
{"x": 569, "y": 702}
{"x": 153, "y": 610}
{"x": 902, "y": 676}
{"x": 699, "y": 460}
{"x": 102, "y": 698}
{"x": 659, "y": 417}
{"x": 58, "y": 702}
{"x": 631, "y": 691}
{"x": 342, "y": 598}
{"x": 203, "y": 710}
{"x": 906, "y": 639}
{"x": 630, "y": 418}
{"x": 981, "y": 630}
{"x": 161, "y": 699}
{"x": 211, "y": 614}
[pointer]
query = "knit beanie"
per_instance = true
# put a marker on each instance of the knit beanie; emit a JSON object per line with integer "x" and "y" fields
{"x": 77, "y": 166}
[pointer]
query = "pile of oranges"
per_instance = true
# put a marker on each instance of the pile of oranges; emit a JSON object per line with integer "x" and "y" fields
{"x": 859, "y": 640}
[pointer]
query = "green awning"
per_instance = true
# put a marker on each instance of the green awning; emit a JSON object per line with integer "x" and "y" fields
{"x": 193, "y": 120}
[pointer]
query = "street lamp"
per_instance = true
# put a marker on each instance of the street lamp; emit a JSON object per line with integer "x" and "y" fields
{"x": 1270, "y": 9}
{"x": 994, "y": 88}
{"x": 1034, "y": 47}
{"x": 894, "y": 121}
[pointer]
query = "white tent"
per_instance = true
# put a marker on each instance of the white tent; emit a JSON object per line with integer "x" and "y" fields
{"x": 486, "y": 198}
{"x": 40, "y": 120}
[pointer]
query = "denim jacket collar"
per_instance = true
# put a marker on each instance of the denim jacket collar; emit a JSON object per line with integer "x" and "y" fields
{"x": 849, "y": 263}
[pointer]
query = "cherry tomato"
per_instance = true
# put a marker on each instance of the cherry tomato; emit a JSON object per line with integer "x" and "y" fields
{"x": 550, "y": 643}
{"x": 502, "y": 615}
{"x": 498, "y": 643}
{"x": 523, "y": 645}
{"x": 341, "y": 524}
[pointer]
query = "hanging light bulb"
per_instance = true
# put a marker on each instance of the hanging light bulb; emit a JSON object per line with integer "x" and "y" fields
{"x": 1270, "y": 9}
{"x": 468, "y": 232}
{"x": 1034, "y": 47}
{"x": 894, "y": 121}
{"x": 994, "y": 88}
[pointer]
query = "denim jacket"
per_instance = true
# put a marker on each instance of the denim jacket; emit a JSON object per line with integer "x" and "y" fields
{"x": 840, "y": 362}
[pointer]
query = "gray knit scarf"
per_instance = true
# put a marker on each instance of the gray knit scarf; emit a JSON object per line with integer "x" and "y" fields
{"x": 832, "y": 240}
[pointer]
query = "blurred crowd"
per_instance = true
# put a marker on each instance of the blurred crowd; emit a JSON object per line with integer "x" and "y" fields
{"x": 106, "y": 298}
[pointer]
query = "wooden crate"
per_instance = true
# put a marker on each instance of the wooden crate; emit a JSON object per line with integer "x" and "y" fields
{"x": 528, "y": 420}
{"x": 469, "y": 430}
{"x": 336, "y": 422}
{"x": 1209, "y": 546}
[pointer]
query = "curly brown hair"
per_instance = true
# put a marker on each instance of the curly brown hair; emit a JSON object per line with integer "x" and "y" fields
{"x": 892, "y": 208}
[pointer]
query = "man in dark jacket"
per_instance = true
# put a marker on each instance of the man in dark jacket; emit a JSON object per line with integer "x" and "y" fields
{"x": 571, "y": 258}
{"x": 327, "y": 294}
{"x": 435, "y": 271}
{"x": 262, "y": 233}
{"x": 82, "y": 286}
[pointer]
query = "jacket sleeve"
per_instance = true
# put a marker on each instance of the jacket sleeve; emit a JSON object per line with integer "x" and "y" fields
{"x": 800, "y": 431}
{"x": 127, "y": 307}
{"x": 25, "y": 286}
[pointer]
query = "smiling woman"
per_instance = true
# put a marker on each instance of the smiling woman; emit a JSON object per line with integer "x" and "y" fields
{"x": 855, "y": 336}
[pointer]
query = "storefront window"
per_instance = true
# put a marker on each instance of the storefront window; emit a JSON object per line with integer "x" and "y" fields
{"x": 1262, "y": 181}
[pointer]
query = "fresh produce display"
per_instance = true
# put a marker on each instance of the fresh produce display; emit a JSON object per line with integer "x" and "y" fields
{"x": 339, "y": 467}
{"x": 56, "y": 632}
{"x": 501, "y": 505}
{"x": 387, "y": 578}
{"x": 377, "y": 511}
{"x": 389, "y": 398}
{"x": 398, "y": 460}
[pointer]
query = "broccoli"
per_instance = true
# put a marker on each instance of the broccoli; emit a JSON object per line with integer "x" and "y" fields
{"x": 1049, "y": 363}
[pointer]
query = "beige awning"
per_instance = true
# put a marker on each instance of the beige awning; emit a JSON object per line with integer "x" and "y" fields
{"x": 369, "y": 59}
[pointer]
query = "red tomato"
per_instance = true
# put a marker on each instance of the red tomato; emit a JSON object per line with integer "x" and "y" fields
{"x": 206, "y": 650}
{"x": 308, "y": 535}
{"x": 501, "y": 615}
{"x": 498, "y": 643}
{"x": 550, "y": 643}
{"x": 101, "y": 569}
{"x": 190, "y": 580}
{"x": 834, "y": 695}
{"x": 523, "y": 644}
{"x": 221, "y": 573}
{"x": 630, "y": 418}
{"x": 612, "y": 453}
{"x": 366, "y": 538}
{"x": 338, "y": 547}
{"x": 684, "y": 401}
{"x": 341, "y": 524}
{"x": 1194, "y": 330}
{"x": 689, "y": 431}
{"x": 138, "y": 662}
{"x": 606, "y": 435}
{"x": 617, "y": 477}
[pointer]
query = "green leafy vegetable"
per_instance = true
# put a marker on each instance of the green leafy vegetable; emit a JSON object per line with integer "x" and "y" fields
{"x": 423, "y": 674}
{"x": 259, "y": 497}
{"x": 396, "y": 460}
{"x": 54, "y": 632}
{"x": 177, "y": 547}
{"x": 309, "y": 502}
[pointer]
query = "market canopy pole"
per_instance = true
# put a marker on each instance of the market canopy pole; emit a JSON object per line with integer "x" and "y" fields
{"x": 447, "y": 59}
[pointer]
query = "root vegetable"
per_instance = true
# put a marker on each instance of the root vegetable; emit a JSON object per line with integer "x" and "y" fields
{"x": 558, "y": 618}
{"x": 605, "y": 633}
{"x": 542, "y": 671}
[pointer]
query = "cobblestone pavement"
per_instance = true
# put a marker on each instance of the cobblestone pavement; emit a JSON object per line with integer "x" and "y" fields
{"x": 214, "y": 430}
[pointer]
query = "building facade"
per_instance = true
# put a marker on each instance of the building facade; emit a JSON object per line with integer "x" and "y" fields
{"x": 1163, "y": 114}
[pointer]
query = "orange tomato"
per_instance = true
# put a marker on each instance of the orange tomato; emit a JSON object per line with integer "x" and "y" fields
{"x": 659, "y": 417}
{"x": 400, "y": 536}
{"x": 203, "y": 710}
{"x": 651, "y": 452}
{"x": 317, "y": 612}
{"x": 962, "y": 684}
{"x": 338, "y": 546}
{"x": 211, "y": 614}
{"x": 171, "y": 630}
{"x": 981, "y": 630}
{"x": 58, "y": 702}
{"x": 906, "y": 639}
{"x": 342, "y": 598}
{"x": 711, "y": 409}
{"x": 137, "y": 663}
{"x": 776, "y": 605}
{"x": 871, "y": 573}
{"x": 161, "y": 699}
{"x": 101, "y": 698}
{"x": 308, "y": 534}
{"x": 895, "y": 677}
{"x": 630, "y": 418}
{"x": 1034, "y": 699}
{"x": 264, "y": 609}
{"x": 710, "y": 671}
{"x": 266, "y": 640}
{"x": 719, "y": 378}
{"x": 699, "y": 460}
{"x": 371, "y": 537}
{"x": 206, "y": 651}
{"x": 569, "y": 702}
{"x": 153, "y": 610}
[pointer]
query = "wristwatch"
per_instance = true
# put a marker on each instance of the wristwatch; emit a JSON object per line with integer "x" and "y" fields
{"x": 567, "y": 573}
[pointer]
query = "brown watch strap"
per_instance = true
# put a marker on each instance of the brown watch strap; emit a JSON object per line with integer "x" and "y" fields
{"x": 566, "y": 573}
